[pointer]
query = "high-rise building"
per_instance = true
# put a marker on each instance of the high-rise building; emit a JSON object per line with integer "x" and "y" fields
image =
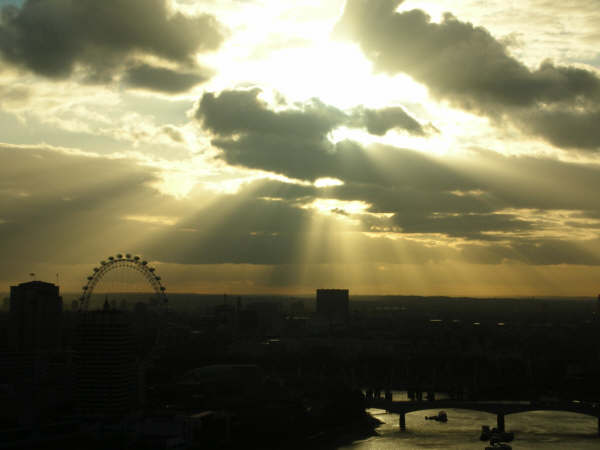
{"x": 106, "y": 367}
{"x": 333, "y": 305}
{"x": 35, "y": 367}
{"x": 35, "y": 317}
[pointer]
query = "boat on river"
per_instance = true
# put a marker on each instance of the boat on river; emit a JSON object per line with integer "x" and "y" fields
{"x": 440, "y": 417}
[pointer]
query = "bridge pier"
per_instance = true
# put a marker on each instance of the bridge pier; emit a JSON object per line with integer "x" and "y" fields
{"x": 500, "y": 421}
{"x": 402, "y": 422}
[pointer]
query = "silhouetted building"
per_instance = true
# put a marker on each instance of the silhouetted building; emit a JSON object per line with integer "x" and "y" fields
{"x": 268, "y": 315}
{"x": 297, "y": 308}
{"x": 105, "y": 363}
{"x": 332, "y": 305}
{"x": 35, "y": 317}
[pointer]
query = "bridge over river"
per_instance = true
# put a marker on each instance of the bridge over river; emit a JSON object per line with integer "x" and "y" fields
{"x": 500, "y": 409}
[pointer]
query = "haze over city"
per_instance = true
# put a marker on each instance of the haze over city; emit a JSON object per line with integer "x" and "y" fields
{"x": 407, "y": 147}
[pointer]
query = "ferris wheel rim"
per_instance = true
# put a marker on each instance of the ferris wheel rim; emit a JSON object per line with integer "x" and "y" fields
{"x": 126, "y": 261}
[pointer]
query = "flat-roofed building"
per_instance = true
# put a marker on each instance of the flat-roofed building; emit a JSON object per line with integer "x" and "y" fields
{"x": 35, "y": 317}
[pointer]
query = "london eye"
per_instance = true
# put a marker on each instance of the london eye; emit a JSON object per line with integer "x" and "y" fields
{"x": 123, "y": 263}
{"x": 135, "y": 279}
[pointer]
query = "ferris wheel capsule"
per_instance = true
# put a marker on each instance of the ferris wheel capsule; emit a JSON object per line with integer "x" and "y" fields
{"x": 118, "y": 262}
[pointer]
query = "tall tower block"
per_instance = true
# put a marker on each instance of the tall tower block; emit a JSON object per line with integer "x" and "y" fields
{"x": 35, "y": 317}
{"x": 106, "y": 367}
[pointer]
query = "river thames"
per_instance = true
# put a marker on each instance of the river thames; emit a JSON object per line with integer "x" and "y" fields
{"x": 550, "y": 430}
{"x": 533, "y": 430}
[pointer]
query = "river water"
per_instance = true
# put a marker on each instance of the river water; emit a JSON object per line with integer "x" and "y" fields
{"x": 549, "y": 430}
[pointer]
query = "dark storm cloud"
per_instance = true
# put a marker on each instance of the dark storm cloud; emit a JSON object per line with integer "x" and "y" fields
{"x": 61, "y": 207}
{"x": 294, "y": 141}
{"x": 410, "y": 184}
{"x": 417, "y": 207}
{"x": 566, "y": 128}
{"x": 462, "y": 225}
{"x": 482, "y": 196}
{"x": 557, "y": 251}
{"x": 51, "y": 37}
{"x": 379, "y": 122}
{"x": 161, "y": 79}
{"x": 468, "y": 66}
{"x": 456, "y": 59}
{"x": 66, "y": 207}
{"x": 241, "y": 111}
{"x": 533, "y": 251}
{"x": 483, "y": 192}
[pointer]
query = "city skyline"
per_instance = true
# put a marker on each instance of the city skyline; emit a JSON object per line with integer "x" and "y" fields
{"x": 387, "y": 147}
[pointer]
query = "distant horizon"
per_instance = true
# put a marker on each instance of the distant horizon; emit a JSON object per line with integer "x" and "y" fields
{"x": 351, "y": 295}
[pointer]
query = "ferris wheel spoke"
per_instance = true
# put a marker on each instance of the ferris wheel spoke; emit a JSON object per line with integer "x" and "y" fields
{"x": 121, "y": 265}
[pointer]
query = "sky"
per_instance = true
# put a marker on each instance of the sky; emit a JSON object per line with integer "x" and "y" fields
{"x": 428, "y": 147}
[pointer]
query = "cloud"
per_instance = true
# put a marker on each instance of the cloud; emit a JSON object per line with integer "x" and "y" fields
{"x": 565, "y": 128}
{"x": 379, "y": 122}
{"x": 14, "y": 96}
{"x": 482, "y": 196}
{"x": 73, "y": 202}
{"x": 242, "y": 111}
{"x": 53, "y": 37}
{"x": 468, "y": 66}
{"x": 161, "y": 79}
{"x": 61, "y": 205}
{"x": 295, "y": 141}
{"x": 173, "y": 133}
